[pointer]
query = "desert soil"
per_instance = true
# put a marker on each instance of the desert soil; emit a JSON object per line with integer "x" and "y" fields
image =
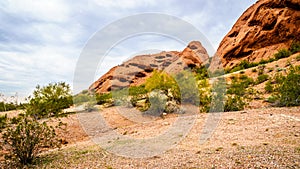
{"x": 259, "y": 138}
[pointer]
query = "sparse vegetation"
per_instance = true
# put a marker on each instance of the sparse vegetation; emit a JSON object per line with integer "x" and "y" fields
{"x": 24, "y": 138}
{"x": 104, "y": 98}
{"x": 3, "y": 121}
{"x": 236, "y": 91}
{"x": 295, "y": 47}
{"x": 298, "y": 57}
{"x": 289, "y": 88}
{"x": 268, "y": 87}
{"x": 201, "y": 72}
{"x": 262, "y": 78}
{"x": 234, "y": 103}
{"x": 283, "y": 53}
{"x": 82, "y": 97}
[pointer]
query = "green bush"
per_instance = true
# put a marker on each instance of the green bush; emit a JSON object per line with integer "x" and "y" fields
{"x": 188, "y": 88}
{"x": 25, "y": 139}
{"x": 158, "y": 100}
{"x": 238, "y": 86}
{"x": 283, "y": 53}
{"x": 217, "y": 95}
{"x": 201, "y": 72}
{"x": 242, "y": 65}
{"x": 162, "y": 81}
{"x": 104, "y": 98}
{"x": 8, "y": 106}
{"x": 289, "y": 89}
{"x": 137, "y": 90}
{"x": 3, "y": 121}
{"x": 234, "y": 103}
{"x": 269, "y": 88}
{"x": 82, "y": 98}
{"x": 298, "y": 57}
{"x": 295, "y": 47}
{"x": 272, "y": 99}
{"x": 50, "y": 100}
{"x": 262, "y": 78}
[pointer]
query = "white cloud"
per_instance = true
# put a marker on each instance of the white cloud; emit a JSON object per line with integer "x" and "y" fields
{"x": 40, "y": 40}
{"x": 124, "y": 4}
{"x": 44, "y": 10}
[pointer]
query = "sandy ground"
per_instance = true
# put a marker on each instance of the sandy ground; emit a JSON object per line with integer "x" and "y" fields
{"x": 261, "y": 138}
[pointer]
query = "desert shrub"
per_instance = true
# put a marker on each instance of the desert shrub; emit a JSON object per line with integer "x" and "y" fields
{"x": 90, "y": 106}
{"x": 243, "y": 65}
{"x": 82, "y": 98}
{"x": 262, "y": 78}
{"x": 162, "y": 81}
{"x": 295, "y": 47}
{"x": 217, "y": 96}
{"x": 263, "y": 61}
{"x": 201, "y": 72}
{"x": 25, "y": 139}
{"x": 204, "y": 95}
{"x": 283, "y": 53}
{"x": 3, "y": 121}
{"x": 272, "y": 99}
{"x": 137, "y": 90}
{"x": 238, "y": 86}
{"x": 8, "y": 106}
{"x": 104, "y": 98}
{"x": 234, "y": 103}
{"x": 254, "y": 70}
{"x": 50, "y": 100}
{"x": 289, "y": 89}
{"x": 268, "y": 87}
{"x": 158, "y": 100}
{"x": 188, "y": 87}
{"x": 298, "y": 57}
{"x": 261, "y": 69}
{"x": 159, "y": 80}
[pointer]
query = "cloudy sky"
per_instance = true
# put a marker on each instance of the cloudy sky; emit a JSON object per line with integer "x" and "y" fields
{"x": 41, "y": 41}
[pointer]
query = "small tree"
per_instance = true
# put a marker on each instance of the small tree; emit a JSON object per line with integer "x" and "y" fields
{"x": 50, "y": 100}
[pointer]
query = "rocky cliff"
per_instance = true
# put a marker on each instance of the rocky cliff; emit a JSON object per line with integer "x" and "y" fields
{"x": 261, "y": 31}
{"x": 136, "y": 70}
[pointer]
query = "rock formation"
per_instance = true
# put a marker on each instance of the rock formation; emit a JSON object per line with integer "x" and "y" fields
{"x": 261, "y": 31}
{"x": 136, "y": 70}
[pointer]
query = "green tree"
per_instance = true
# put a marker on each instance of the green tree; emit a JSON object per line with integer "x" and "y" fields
{"x": 50, "y": 100}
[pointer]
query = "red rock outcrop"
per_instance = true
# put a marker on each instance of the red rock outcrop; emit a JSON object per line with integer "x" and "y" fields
{"x": 261, "y": 31}
{"x": 136, "y": 70}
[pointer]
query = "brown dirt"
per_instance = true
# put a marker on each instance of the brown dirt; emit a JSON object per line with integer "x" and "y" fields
{"x": 261, "y": 138}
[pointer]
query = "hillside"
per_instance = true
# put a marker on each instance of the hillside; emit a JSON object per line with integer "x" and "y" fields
{"x": 133, "y": 72}
{"x": 263, "y": 29}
